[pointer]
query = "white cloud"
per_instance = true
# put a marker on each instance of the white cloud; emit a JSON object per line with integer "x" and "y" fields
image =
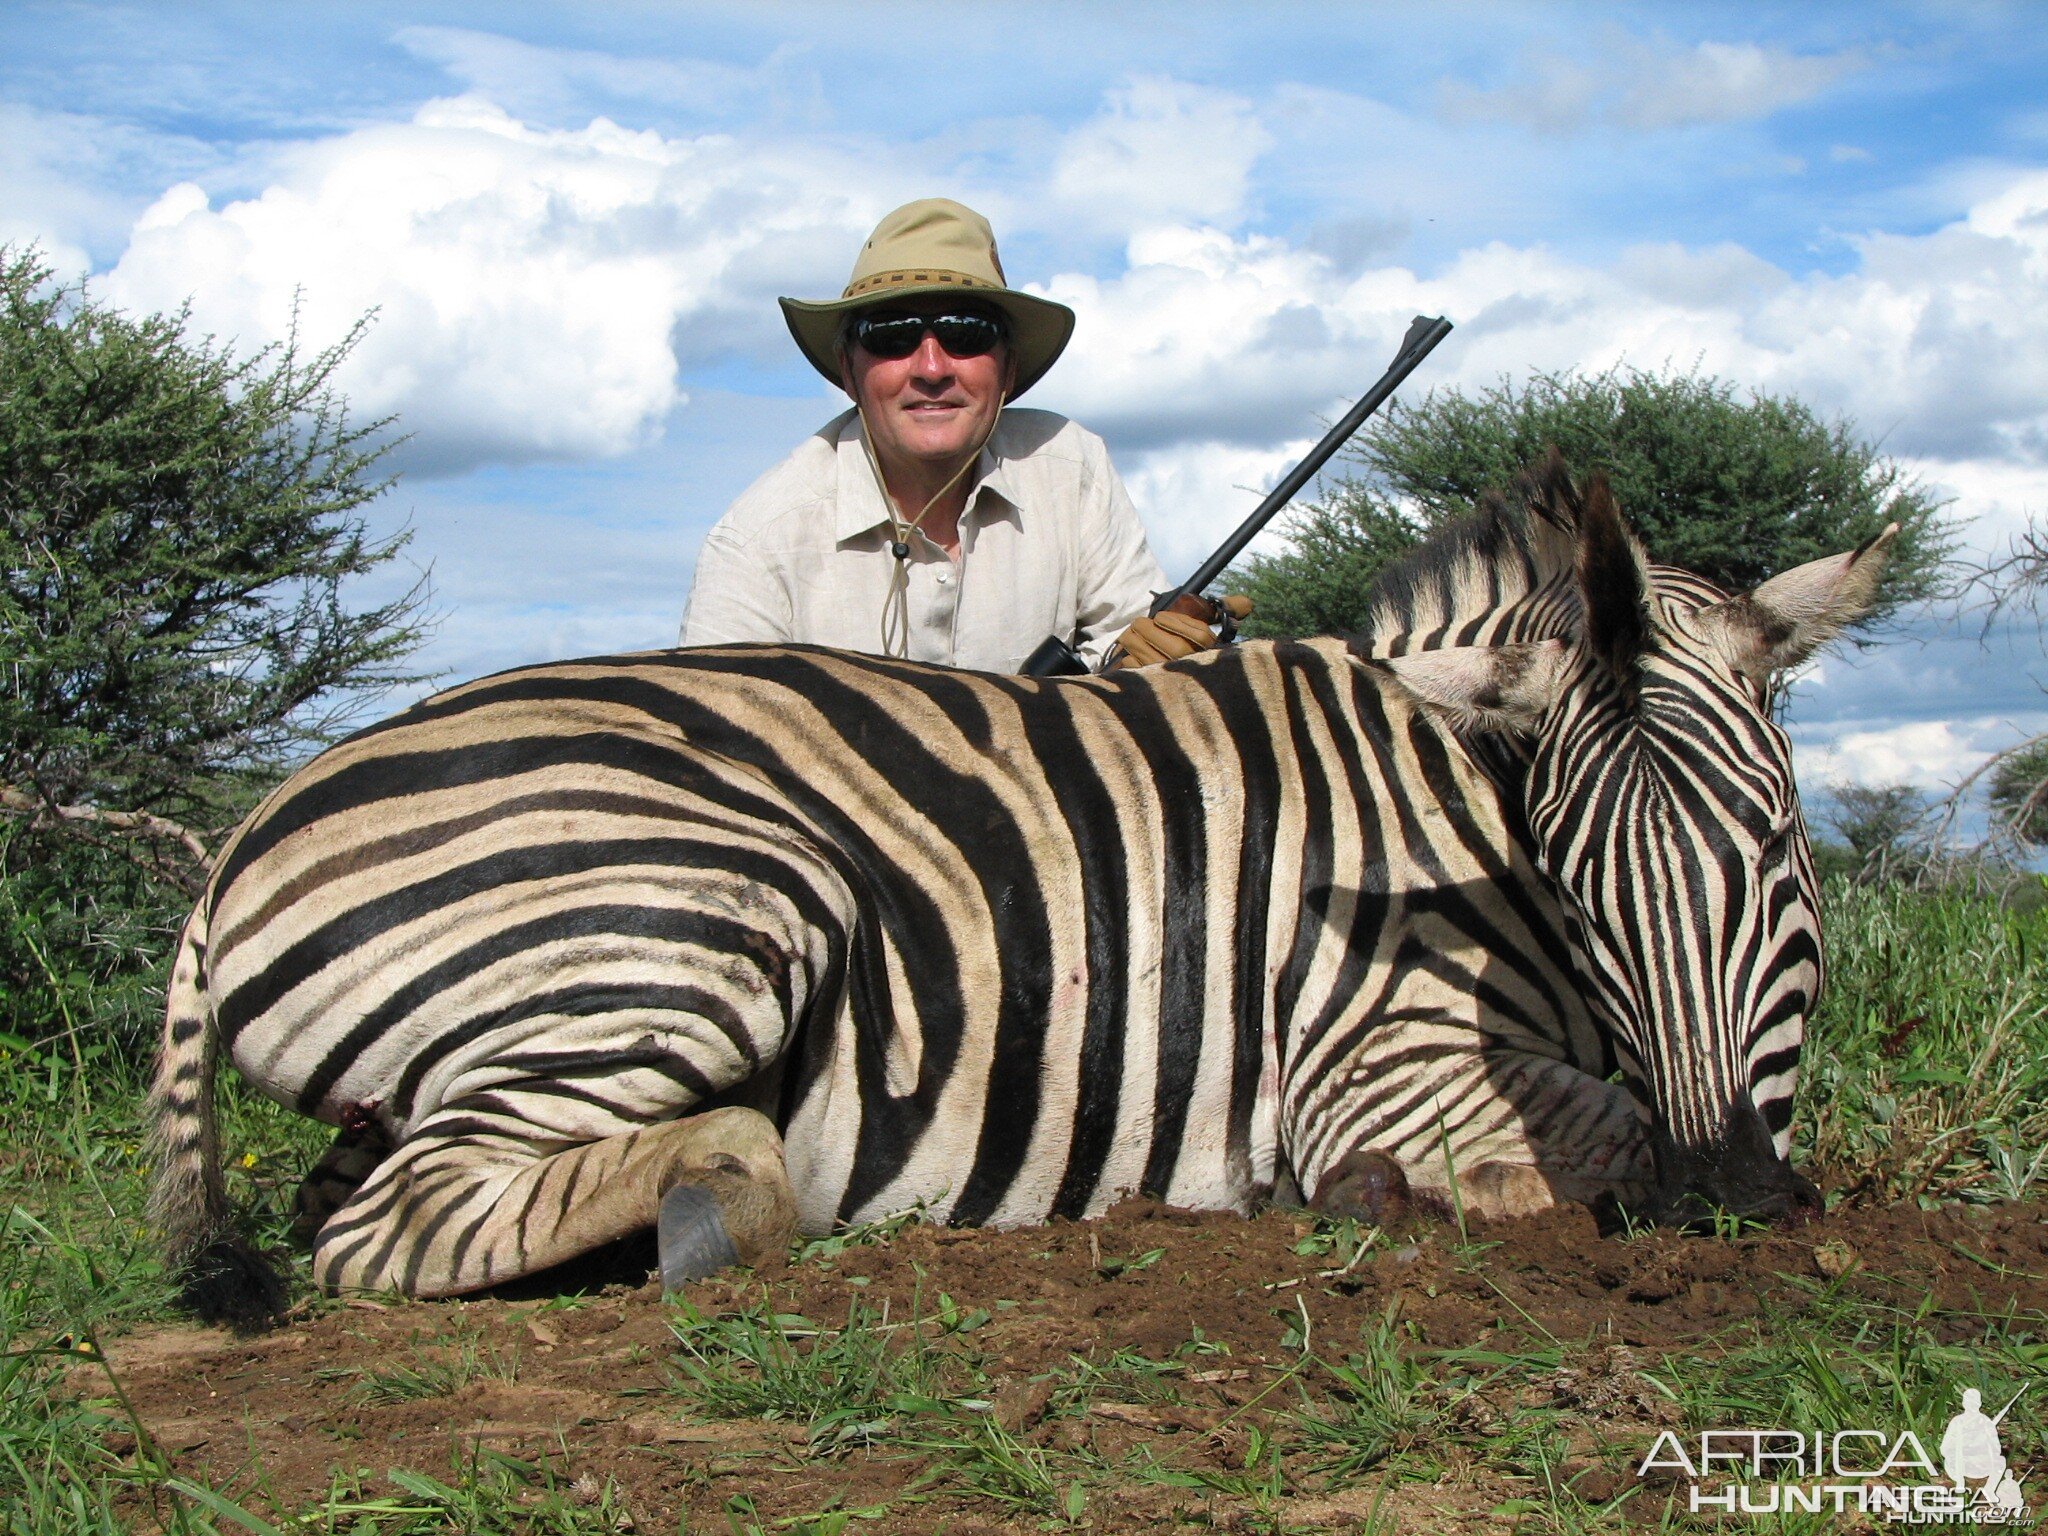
{"x": 1935, "y": 755}
{"x": 528, "y": 282}
{"x": 1207, "y": 337}
{"x": 1161, "y": 150}
{"x": 1991, "y": 501}
{"x": 538, "y": 290}
{"x": 1551, "y": 94}
{"x": 62, "y": 178}
{"x": 1192, "y": 496}
{"x": 1724, "y": 82}
{"x": 525, "y": 75}
{"x": 1935, "y": 344}
{"x": 1639, "y": 86}
{"x": 541, "y": 291}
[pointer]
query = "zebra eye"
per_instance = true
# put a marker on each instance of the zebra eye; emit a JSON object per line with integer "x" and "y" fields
{"x": 1779, "y": 838}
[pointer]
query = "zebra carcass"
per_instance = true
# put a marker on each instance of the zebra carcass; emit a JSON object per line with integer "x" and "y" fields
{"x": 1508, "y": 894}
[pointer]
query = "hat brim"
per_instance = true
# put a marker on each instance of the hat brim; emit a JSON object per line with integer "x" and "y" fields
{"x": 1039, "y": 328}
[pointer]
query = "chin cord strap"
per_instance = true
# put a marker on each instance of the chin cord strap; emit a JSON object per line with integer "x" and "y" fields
{"x": 896, "y": 603}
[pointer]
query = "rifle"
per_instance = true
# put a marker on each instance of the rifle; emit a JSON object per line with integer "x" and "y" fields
{"x": 1056, "y": 658}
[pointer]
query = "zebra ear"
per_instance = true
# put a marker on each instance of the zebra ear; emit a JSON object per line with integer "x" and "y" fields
{"x": 1789, "y": 617}
{"x": 1485, "y": 687}
{"x": 1614, "y": 586}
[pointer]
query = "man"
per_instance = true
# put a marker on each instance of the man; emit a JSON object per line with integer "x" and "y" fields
{"x": 931, "y": 521}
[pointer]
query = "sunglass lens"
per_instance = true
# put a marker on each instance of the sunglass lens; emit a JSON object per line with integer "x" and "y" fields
{"x": 893, "y": 336}
{"x": 967, "y": 335}
{"x": 890, "y": 336}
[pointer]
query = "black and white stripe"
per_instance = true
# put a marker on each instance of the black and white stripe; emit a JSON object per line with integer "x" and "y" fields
{"x": 1017, "y": 948}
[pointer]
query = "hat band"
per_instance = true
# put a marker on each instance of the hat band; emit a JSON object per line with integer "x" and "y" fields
{"x": 878, "y": 280}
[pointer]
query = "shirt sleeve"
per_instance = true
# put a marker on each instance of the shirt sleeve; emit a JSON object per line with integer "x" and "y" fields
{"x": 735, "y": 597}
{"x": 1118, "y": 574}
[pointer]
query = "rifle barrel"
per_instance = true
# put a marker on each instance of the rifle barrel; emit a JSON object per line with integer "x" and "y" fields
{"x": 1424, "y": 332}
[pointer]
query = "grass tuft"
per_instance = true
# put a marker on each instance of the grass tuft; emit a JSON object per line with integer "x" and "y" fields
{"x": 1926, "y": 1073}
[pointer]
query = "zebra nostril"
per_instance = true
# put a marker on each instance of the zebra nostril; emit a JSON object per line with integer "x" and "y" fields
{"x": 1804, "y": 1203}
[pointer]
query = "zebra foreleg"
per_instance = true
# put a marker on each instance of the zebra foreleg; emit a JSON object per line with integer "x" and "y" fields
{"x": 457, "y": 1211}
{"x": 1503, "y": 1133}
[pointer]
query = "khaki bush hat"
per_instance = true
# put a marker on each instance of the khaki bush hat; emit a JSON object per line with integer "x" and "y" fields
{"x": 933, "y": 246}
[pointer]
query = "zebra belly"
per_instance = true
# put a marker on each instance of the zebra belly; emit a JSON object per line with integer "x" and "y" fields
{"x": 941, "y": 1143}
{"x": 931, "y": 1159}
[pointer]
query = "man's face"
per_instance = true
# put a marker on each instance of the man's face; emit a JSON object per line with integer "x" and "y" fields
{"x": 929, "y": 408}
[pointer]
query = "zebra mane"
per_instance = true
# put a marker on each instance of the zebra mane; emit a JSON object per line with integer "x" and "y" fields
{"x": 1503, "y": 573}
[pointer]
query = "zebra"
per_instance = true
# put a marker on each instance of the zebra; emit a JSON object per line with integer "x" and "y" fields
{"x": 1504, "y": 901}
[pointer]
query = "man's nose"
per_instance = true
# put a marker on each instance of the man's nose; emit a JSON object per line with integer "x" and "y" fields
{"x": 930, "y": 360}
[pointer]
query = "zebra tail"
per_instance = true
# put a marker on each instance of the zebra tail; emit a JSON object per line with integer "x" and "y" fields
{"x": 221, "y": 1276}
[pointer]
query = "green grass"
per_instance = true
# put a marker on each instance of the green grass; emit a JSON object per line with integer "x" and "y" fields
{"x": 438, "y": 1370}
{"x": 1926, "y": 1076}
{"x": 1926, "y": 1080}
{"x": 848, "y": 1384}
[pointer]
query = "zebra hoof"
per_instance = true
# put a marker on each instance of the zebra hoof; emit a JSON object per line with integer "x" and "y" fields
{"x": 1366, "y": 1186}
{"x": 691, "y": 1237}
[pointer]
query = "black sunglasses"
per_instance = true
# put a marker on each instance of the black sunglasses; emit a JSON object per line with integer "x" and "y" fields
{"x": 895, "y": 335}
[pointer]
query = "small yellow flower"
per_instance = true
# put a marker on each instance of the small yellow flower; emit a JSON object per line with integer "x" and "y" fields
{"x": 248, "y": 1159}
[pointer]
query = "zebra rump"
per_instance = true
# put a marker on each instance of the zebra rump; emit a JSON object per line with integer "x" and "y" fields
{"x": 1506, "y": 897}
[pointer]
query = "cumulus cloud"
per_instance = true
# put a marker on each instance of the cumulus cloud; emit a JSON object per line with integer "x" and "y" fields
{"x": 540, "y": 290}
{"x": 1934, "y": 755}
{"x": 1192, "y": 496}
{"x": 1937, "y": 344}
{"x": 1640, "y": 86}
{"x": 64, "y": 180}
{"x": 531, "y": 285}
{"x": 1992, "y": 501}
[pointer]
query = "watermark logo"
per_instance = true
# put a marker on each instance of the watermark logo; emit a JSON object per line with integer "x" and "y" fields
{"x": 1871, "y": 1472}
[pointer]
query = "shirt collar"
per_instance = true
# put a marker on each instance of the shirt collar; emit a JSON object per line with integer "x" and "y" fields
{"x": 859, "y": 507}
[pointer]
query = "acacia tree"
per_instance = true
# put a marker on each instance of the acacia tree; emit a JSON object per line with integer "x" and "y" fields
{"x": 1883, "y": 831}
{"x": 177, "y": 525}
{"x": 2018, "y": 776}
{"x": 1734, "y": 485}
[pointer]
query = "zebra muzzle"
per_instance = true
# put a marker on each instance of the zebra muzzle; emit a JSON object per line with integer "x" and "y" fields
{"x": 1742, "y": 1175}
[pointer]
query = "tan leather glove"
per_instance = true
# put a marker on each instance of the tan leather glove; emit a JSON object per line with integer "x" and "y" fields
{"x": 1180, "y": 631}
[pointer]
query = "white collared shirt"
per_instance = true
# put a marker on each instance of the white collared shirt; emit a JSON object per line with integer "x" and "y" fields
{"x": 1049, "y": 545}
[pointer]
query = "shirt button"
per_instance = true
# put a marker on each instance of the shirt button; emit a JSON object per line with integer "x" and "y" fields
{"x": 944, "y": 578}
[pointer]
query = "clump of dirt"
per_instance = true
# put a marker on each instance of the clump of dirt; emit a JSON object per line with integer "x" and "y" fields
{"x": 589, "y": 1387}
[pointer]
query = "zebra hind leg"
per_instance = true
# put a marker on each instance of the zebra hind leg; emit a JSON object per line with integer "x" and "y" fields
{"x": 333, "y": 1181}
{"x": 465, "y": 1202}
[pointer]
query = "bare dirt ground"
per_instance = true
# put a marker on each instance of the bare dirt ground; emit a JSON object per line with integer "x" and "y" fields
{"x": 588, "y": 1387}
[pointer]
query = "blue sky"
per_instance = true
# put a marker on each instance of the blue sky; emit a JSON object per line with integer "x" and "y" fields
{"x": 573, "y": 222}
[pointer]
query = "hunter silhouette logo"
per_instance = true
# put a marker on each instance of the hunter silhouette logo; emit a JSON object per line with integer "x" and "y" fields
{"x": 1970, "y": 1452}
{"x": 1851, "y": 1471}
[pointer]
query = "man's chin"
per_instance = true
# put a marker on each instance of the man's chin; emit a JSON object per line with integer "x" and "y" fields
{"x": 938, "y": 447}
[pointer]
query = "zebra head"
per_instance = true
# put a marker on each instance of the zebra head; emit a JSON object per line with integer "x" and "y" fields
{"x": 1659, "y": 798}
